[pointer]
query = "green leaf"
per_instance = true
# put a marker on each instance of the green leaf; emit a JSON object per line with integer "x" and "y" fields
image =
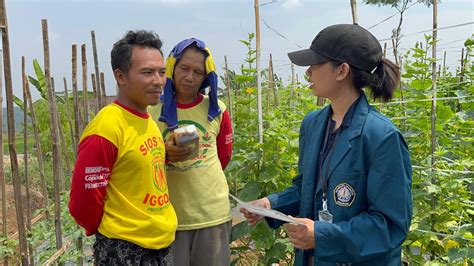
{"x": 251, "y": 191}
{"x": 239, "y": 231}
{"x": 41, "y": 86}
{"x": 19, "y": 102}
{"x": 263, "y": 235}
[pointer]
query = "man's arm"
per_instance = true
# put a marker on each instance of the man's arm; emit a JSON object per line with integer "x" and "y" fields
{"x": 224, "y": 140}
{"x": 95, "y": 160}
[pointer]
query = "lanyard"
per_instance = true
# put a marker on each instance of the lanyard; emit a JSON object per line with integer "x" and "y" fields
{"x": 325, "y": 180}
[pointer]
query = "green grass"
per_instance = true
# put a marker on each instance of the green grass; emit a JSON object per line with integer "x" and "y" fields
{"x": 20, "y": 147}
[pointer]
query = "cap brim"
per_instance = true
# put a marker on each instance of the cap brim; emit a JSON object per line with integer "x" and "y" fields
{"x": 307, "y": 57}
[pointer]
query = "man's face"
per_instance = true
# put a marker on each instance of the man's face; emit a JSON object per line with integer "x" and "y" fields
{"x": 143, "y": 84}
{"x": 189, "y": 73}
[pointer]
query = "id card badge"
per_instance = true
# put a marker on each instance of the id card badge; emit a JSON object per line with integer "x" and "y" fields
{"x": 325, "y": 215}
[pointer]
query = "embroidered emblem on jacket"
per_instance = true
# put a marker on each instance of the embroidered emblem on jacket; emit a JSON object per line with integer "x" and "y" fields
{"x": 344, "y": 195}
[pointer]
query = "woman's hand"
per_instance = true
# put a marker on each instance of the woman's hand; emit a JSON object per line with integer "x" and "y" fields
{"x": 253, "y": 218}
{"x": 175, "y": 153}
{"x": 302, "y": 236}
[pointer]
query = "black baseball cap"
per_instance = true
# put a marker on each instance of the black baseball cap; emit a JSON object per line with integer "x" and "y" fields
{"x": 347, "y": 43}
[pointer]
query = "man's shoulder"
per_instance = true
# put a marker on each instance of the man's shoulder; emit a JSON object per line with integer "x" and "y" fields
{"x": 106, "y": 123}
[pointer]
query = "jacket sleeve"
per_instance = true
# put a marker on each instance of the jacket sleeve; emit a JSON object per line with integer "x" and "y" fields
{"x": 385, "y": 224}
{"x": 95, "y": 160}
{"x": 289, "y": 200}
{"x": 224, "y": 140}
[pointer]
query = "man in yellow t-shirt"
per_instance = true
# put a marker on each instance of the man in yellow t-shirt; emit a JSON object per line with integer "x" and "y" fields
{"x": 198, "y": 186}
{"x": 119, "y": 189}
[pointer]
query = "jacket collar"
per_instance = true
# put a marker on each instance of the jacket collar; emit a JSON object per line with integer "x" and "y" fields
{"x": 343, "y": 144}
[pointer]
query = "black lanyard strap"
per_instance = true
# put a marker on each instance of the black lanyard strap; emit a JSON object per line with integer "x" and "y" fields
{"x": 325, "y": 180}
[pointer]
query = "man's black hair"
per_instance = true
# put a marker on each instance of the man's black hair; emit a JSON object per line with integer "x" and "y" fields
{"x": 121, "y": 55}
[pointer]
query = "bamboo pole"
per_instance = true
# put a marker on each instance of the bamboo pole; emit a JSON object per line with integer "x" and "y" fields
{"x": 461, "y": 73}
{"x": 35, "y": 219}
{"x": 77, "y": 113}
{"x": 25, "y": 157}
{"x": 433, "y": 110}
{"x": 354, "y": 11}
{"x": 102, "y": 88}
{"x": 58, "y": 254}
{"x": 292, "y": 91}
{"x": 69, "y": 118}
{"x": 84, "y": 84}
{"x": 276, "y": 100}
{"x": 97, "y": 102}
{"x": 461, "y": 78}
{"x": 259, "y": 86}
{"x": 402, "y": 98}
{"x": 11, "y": 135}
{"x": 97, "y": 73}
{"x": 39, "y": 150}
{"x": 444, "y": 64}
{"x": 54, "y": 136}
{"x": 2, "y": 171}
{"x": 269, "y": 85}
{"x": 227, "y": 86}
{"x": 63, "y": 146}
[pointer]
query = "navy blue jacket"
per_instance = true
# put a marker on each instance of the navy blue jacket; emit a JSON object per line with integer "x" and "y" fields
{"x": 369, "y": 190}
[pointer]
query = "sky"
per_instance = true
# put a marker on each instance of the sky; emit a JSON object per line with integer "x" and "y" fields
{"x": 221, "y": 24}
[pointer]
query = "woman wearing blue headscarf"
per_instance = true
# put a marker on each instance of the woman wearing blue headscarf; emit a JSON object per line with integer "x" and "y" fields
{"x": 198, "y": 186}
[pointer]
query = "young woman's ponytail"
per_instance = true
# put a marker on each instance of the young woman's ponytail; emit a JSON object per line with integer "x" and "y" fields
{"x": 382, "y": 82}
{"x": 387, "y": 77}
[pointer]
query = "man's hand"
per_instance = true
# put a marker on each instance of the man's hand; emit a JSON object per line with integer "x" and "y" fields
{"x": 175, "y": 153}
{"x": 253, "y": 218}
{"x": 302, "y": 236}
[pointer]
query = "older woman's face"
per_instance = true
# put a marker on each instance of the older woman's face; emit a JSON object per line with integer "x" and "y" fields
{"x": 189, "y": 73}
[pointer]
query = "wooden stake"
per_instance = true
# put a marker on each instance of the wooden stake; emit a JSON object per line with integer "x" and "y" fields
{"x": 54, "y": 136}
{"x": 2, "y": 171}
{"x": 63, "y": 147}
{"x": 25, "y": 156}
{"x": 96, "y": 101}
{"x": 461, "y": 73}
{"x": 26, "y": 159}
{"x": 76, "y": 107}
{"x": 102, "y": 88}
{"x": 39, "y": 150}
{"x": 384, "y": 50}
{"x": 402, "y": 98}
{"x": 11, "y": 135}
{"x": 433, "y": 111}
{"x": 444, "y": 64}
{"x": 259, "y": 86}
{"x": 292, "y": 90}
{"x": 69, "y": 118}
{"x": 227, "y": 86}
{"x": 85, "y": 94}
{"x": 96, "y": 84}
{"x": 354, "y": 11}
{"x": 276, "y": 100}
{"x": 269, "y": 78}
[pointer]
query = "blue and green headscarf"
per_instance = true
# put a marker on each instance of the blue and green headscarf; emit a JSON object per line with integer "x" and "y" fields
{"x": 168, "y": 110}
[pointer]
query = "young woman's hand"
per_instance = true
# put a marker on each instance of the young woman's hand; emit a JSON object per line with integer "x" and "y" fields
{"x": 175, "y": 153}
{"x": 253, "y": 218}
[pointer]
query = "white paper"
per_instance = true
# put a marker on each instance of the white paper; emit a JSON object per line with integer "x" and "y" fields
{"x": 264, "y": 211}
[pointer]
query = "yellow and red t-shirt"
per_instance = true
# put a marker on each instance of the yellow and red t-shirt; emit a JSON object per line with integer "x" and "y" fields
{"x": 198, "y": 187}
{"x": 119, "y": 185}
